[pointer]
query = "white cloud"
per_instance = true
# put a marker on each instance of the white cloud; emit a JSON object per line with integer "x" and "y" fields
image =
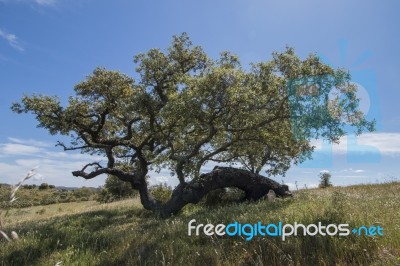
{"x": 19, "y": 156}
{"x": 359, "y": 171}
{"x": 56, "y": 172}
{"x": 292, "y": 186}
{"x": 162, "y": 179}
{"x": 38, "y": 177}
{"x": 30, "y": 142}
{"x": 312, "y": 185}
{"x": 37, "y": 2}
{"x": 351, "y": 170}
{"x": 12, "y": 40}
{"x": 350, "y": 176}
{"x": 384, "y": 143}
{"x": 71, "y": 156}
{"x": 18, "y": 149}
{"x": 45, "y": 2}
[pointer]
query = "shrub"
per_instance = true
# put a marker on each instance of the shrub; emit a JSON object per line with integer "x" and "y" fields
{"x": 44, "y": 186}
{"x": 118, "y": 188}
{"x": 83, "y": 193}
{"x": 104, "y": 196}
{"x": 161, "y": 192}
{"x": 115, "y": 189}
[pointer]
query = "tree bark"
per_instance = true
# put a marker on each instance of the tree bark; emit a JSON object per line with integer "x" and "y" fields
{"x": 254, "y": 185}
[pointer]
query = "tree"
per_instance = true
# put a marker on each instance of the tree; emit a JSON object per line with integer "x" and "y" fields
{"x": 325, "y": 179}
{"x": 118, "y": 188}
{"x": 44, "y": 186}
{"x": 186, "y": 110}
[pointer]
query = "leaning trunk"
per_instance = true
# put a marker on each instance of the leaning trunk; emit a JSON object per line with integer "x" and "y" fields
{"x": 254, "y": 185}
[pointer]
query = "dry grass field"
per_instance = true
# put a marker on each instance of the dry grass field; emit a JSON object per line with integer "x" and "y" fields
{"x": 123, "y": 233}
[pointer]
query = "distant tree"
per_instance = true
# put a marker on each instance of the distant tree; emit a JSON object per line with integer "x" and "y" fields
{"x": 43, "y": 186}
{"x": 187, "y": 109}
{"x": 52, "y": 186}
{"x": 32, "y": 186}
{"x": 325, "y": 179}
{"x": 117, "y": 187}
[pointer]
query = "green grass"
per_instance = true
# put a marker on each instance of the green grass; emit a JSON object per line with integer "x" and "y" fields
{"x": 35, "y": 196}
{"x": 123, "y": 233}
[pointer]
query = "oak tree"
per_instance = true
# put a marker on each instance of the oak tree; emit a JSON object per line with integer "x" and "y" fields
{"x": 186, "y": 110}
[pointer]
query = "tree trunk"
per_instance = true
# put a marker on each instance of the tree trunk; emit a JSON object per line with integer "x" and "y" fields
{"x": 254, "y": 185}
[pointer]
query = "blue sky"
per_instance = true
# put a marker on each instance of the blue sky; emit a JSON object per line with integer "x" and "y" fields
{"x": 47, "y": 46}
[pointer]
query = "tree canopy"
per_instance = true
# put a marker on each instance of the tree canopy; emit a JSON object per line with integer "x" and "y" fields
{"x": 187, "y": 109}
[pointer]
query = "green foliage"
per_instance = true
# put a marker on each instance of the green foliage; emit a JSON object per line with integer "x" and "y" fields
{"x": 161, "y": 192}
{"x": 29, "y": 186}
{"x": 325, "y": 180}
{"x": 118, "y": 188}
{"x": 115, "y": 189}
{"x": 187, "y": 109}
{"x": 104, "y": 196}
{"x": 44, "y": 186}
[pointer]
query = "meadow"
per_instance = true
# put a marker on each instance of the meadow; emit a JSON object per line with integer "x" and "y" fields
{"x": 28, "y": 196}
{"x": 123, "y": 233}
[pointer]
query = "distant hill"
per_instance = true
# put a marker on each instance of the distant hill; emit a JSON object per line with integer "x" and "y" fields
{"x": 56, "y": 187}
{"x": 74, "y": 188}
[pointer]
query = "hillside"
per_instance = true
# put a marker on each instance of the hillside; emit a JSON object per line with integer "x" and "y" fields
{"x": 30, "y": 195}
{"x": 123, "y": 233}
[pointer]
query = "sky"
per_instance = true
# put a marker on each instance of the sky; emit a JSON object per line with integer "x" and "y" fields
{"x": 48, "y": 46}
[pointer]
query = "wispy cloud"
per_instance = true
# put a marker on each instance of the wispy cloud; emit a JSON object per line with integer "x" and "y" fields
{"x": 56, "y": 166}
{"x": 351, "y": 170}
{"x": 293, "y": 187}
{"x": 18, "y": 155}
{"x": 384, "y": 143}
{"x": 45, "y": 2}
{"x": 18, "y": 149}
{"x": 350, "y": 176}
{"x": 40, "y": 149}
{"x": 37, "y": 2}
{"x": 30, "y": 142}
{"x": 12, "y": 40}
{"x": 358, "y": 171}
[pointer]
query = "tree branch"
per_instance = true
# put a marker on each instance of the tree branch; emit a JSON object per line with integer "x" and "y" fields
{"x": 125, "y": 176}
{"x": 71, "y": 148}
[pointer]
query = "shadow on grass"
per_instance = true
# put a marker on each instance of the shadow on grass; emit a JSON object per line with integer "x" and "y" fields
{"x": 92, "y": 231}
{"x": 131, "y": 236}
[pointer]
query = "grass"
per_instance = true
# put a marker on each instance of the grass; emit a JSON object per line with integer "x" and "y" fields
{"x": 27, "y": 197}
{"x": 123, "y": 233}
